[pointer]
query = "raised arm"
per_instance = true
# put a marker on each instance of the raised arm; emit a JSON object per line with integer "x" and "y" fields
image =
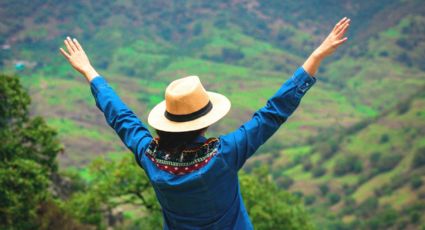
{"x": 239, "y": 145}
{"x": 129, "y": 128}
{"x": 335, "y": 38}
{"x": 78, "y": 59}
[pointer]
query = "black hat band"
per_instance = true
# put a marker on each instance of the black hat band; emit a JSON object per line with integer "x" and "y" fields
{"x": 190, "y": 116}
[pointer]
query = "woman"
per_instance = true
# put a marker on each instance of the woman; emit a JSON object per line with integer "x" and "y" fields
{"x": 195, "y": 179}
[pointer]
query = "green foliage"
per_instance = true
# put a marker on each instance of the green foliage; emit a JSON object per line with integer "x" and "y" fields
{"x": 52, "y": 216}
{"x": 113, "y": 184}
{"x": 23, "y": 185}
{"x": 374, "y": 158}
{"x": 416, "y": 182}
{"x": 388, "y": 162}
{"x": 324, "y": 189}
{"x": 23, "y": 137}
{"x": 368, "y": 207}
{"x": 284, "y": 181}
{"x": 307, "y": 164}
{"x": 269, "y": 207}
{"x": 333, "y": 198}
{"x": 384, "y": 138}
{"x": 309, "y": 200}
{"x": 348, "y": 164}
{"x": 15, "y": 101}
{"x": 27, "y": 153}
{"x": 383, "y": 220}
{"x": 419, "y": 158}
{"x": 326, "y": 149}
{"x": 318, "y": 171}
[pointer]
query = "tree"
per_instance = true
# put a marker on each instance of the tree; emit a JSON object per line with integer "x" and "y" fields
{"x": 27, "y": 158}
{"x": 113, "y": 184}
{"x": 23, "y": 185}
{"x": 269, "y": 207}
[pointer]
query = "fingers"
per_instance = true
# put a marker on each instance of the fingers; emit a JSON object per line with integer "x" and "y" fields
{"x": 77, "y": 44}
{"x": 340, "y": 23}
{"x": 343, "y": 26}
{"x": 343, "y": 30}
{"x": 339, "y": 42}
{"x": 72, "y": 44}
{"x": 68, "y": 46}
{"x": 64, "y": 53}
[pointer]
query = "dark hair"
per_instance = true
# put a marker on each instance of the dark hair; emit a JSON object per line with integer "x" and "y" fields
{"x": 176, "y": 141}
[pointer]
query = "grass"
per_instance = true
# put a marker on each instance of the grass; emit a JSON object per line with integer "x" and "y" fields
{"x": 69, "y": 128}
{"x": 216, "y": 71}
{"x": 297, "y": 173}
{"x": 297, "y": 151}
{"x": 398, "y": 198}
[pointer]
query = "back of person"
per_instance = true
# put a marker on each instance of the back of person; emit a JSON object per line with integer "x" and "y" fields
{"x": 203, "y": 195}
{"x": 196, "y": 182}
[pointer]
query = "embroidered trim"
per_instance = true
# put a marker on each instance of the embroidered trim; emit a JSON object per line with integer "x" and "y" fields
{"x": 189, "y": 160}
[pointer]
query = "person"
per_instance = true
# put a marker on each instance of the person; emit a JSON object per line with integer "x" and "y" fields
{"x": 196, "y": 179}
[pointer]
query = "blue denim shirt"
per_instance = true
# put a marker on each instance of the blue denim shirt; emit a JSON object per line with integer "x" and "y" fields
{"x": 210, "y": 197}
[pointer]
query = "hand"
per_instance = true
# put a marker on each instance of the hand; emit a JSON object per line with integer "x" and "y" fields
{"x": 334, "y": 39}
{"x": 78, "y": 58}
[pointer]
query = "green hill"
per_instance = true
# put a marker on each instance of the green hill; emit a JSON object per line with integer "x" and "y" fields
{"x": 356, "y": 132}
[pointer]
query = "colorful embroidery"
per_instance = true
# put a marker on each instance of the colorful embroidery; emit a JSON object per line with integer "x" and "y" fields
{"x": 187, "y": 161}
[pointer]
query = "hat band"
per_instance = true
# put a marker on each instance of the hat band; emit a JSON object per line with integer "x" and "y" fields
{"x": 190, "y": 116}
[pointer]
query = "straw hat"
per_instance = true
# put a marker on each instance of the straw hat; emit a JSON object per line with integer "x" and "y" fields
{"x": 187, "y": 107}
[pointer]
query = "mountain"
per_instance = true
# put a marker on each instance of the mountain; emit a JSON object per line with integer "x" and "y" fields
{"x": 348, "y": 134}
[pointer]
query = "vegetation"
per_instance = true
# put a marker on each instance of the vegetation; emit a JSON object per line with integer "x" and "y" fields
{"x": 28, "y": 161}
{"x": 354, "y": 145}
{"x": 29, "y": 173}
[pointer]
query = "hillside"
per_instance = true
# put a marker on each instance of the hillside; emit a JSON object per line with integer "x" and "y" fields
{"x": 372, "y": 169}
{"x": 237, "y": 48}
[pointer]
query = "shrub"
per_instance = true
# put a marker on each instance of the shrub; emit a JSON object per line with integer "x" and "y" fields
{"x": 374, "y": 158}
{"x": 333, "y": 198}
{"x": 350, "y": 201}
{"x": 309, "y": 200}
{"x": 349, "y": 164}
{"x": 284, "y": 181}
{"x": 318, "y": 171}
{"x": 405, "y": 59}
{"x": 368, "y": 207}
{"x": 298, "y": 194}
{"x": 324, "y": 189}
{"x": 348, "y": 189}
{"x": 384, "y": 53}
{"x": 403, "y": 108}
{"x": 382, "y": 220}
{"x": 415, "y": 182}
{"x": 349, "y": 205}
{"x": 388, "y": 162}
{"x": 307, "y": 165}
{"x": 326, "y": 149}
{"x": 419, "y": 158}
{"x": 229, "y": 54}
{"x": 384, "y": 138}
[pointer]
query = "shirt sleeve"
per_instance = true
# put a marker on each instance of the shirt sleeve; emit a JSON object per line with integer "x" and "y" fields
{"x": 133, "y": 133}
{"x": 240, "y": 144}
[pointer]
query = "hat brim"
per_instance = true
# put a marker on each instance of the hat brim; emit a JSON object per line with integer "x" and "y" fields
{"x": 220, "y": 107}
